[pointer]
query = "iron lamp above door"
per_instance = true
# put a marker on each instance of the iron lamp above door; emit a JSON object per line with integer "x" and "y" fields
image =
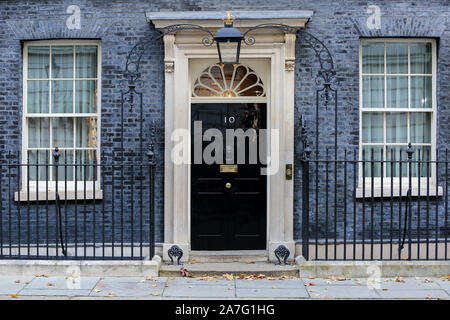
{"x": 228, "y": 41}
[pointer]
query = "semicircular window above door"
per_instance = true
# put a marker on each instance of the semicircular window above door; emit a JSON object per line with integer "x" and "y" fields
{"x": 228, "y": 81}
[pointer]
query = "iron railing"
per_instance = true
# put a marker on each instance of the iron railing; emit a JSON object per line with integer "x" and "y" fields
{"x": 349, "y": 212}
{"x": 57, "y": 209}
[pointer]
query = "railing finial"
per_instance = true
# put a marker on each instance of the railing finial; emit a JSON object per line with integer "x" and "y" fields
{"x": 410, "y": 151}
{"x": 56, "y": 155}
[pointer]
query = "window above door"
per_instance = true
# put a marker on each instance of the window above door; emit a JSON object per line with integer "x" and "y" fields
{"x": 228, "y": 81}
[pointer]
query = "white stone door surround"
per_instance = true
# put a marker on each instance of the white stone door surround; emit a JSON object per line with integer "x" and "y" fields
{"x": 272, "y": 45}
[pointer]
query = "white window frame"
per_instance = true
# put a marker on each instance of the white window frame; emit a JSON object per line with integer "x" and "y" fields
{"x": 44, "y": 186}
{"x": 397, "y": 181}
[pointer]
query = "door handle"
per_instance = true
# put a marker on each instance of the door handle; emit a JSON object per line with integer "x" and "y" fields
{"x": 228, "y": 185}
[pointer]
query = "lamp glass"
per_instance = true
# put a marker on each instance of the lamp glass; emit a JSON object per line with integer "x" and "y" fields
{"x": 228, "y": 51}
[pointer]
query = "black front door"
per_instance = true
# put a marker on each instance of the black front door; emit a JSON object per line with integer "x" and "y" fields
{"x": 228, "y": 201}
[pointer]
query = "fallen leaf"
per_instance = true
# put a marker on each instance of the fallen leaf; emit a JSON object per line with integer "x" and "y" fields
{"x": 338, "y": 278}
{"x": 184, "y": 272}
{"x": 156, "y": 294}
{"x": 311, "y": 277}
{"x": 242, "y": 276}
{"x": 17, "y": 281}
{"x": 251, "y": 262}
{"x": 271, "y": 278}
{"x": 111, "y": 294}
{"x": 96, "y": 290}
{"x": 429, "y": 296}
{"x": 14, "y": 296}
{"x": 397, "y": 279}
{"x": 309, "y": 284}
{"x": 385, "y": 289}
{"x": 193, "y": 261}
{"x": 154, "y": 285}
{"x": 50, "y": 284}
{"x": 428, "y": 281}
{"x": 228, "y": 276}
{"x": 27, "y": 282}
{"x": 359, "y": 282}
{"x": 150, "y": 278}
{"x": 327, "y": 297}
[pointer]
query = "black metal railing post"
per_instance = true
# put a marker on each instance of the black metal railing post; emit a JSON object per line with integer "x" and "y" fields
{"x": 410, "y": 152}
{"x": 151, "y": 167}
{"x": 305, "y": 201}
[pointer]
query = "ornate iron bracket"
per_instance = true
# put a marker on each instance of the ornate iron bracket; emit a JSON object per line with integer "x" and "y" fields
{"x": 282, "y": 253}
{"x": 175, "y": 251}
{"x": 306, "y": 150}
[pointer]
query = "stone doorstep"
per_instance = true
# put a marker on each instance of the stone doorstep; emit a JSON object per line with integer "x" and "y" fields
{"x": 246, "y": 256}
{"x": 233, "y": 268}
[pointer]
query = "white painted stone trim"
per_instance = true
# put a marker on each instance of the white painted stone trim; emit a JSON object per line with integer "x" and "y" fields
{"x": 276, "y": 47}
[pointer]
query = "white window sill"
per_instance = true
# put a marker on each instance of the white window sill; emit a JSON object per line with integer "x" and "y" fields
{"x": 396, "y": 192}
{"x": 81, "y": 195}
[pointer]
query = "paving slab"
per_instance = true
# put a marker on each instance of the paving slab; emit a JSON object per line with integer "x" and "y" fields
{"x": 63, "y": 283}
{"x": 198, "y": 281}
{"x": 131, "y": 279}
{"x": 106, "y": 288}
{"x": 413, "y": 294}
{"x": 341, "y": 292}
{"x": 269, "y": 284}
{"x": 200, "y": 291}
{"x": 409, "y": 283}
{"x": 331, "y": 282}
{"x": 8, "y": 297}
{"x": 444, "y": 284}
{"x": 54, "y": 292}
{"x": 271, "y": 293}
{"x": 13, "y": 284}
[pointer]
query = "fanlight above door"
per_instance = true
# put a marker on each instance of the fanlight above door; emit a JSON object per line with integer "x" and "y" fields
{"x": 228, "y": 81}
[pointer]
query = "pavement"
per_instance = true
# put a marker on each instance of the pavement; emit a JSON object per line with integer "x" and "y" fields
{"x": 226, "y": 286}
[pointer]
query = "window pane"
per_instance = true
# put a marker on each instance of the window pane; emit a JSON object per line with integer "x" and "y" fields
{"x": 373, "y": 92}
{"x": 86, "y": 96}
{"x": 62, "y": 132}
{"x": 374, "y": 154}
{"x": 38, "y": 133}
{"x": 395, "y": 154}
{"x": 373, "y": 57}
{"x": 421, "y": 92}
{"x": 38, "y": 62}
{"x": 64, "y": 170}
{"x": 396, "y": 58}
{"x": 86, "y": 129}
{"x": 372, "y": 125}
{"x": 62, "y": 62}
{"x": 62, "y": 96}
{"x": 396, "y": 127}
{"x": 38, "y": 173}
{"x": 87, "y": 171}
{"x": 397, "y": 92}
{"x": 86, "y": 61}
{"x": 37, "y": 97}
{"x": 420, "y": 127}
{"x": 421, "y": 154}
{"x": 420, "y": 58}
